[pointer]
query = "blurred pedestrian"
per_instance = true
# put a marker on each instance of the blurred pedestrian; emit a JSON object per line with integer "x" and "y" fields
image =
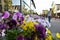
{"x": 49, "y": 15}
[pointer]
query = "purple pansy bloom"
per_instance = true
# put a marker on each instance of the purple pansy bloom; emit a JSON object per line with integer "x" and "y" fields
{"x": 14, "y": 17}
{"x": 21, "y": 18}
{"x": 17, "y": 15}
{"x": 6, "y": 14}
{"x": 12, "y": 24}
{"x": 41, "y": 30}
{"x": 36, "y": 16}
{"x": 21, "y": 22}
{"x": 20, "y": 37}
{"x": 2, "y": 26}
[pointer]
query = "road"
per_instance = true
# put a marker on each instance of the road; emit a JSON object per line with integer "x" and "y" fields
{"x": 55, "y": 26}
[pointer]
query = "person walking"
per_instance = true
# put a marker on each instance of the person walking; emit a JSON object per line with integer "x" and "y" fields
{"x": 49, "y": 15}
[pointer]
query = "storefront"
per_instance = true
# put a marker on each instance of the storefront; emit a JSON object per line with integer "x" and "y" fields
{"x": 26, "y": 5}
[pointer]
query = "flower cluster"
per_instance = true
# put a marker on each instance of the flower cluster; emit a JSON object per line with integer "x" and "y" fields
{"x": 20, "y": 27}
{"x": 41, "y": 31}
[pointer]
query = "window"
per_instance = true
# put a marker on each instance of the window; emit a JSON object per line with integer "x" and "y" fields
{"x": 57, "y": 8}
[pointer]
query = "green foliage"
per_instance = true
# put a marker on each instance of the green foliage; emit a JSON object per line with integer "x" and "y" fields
{"x": 12, "y": 34}
{"x": 27, "y": 33}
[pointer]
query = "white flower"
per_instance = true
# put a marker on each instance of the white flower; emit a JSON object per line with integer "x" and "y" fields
{"x": 44, "y": 22}
{"x": 3, "y": 34}
{"x": 48, "y": 24}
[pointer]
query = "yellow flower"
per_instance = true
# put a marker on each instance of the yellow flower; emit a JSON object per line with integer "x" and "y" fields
{"x": 35, "y": 22}
{"x": 28, "y": 25}
{"x": 58, "y": 35}
{"x": 24, "y": 28}
{"x": 48, "y": 31}
{"x": 24, "y": 25}
{"x": 49, "y": 37}
{"x": 36, "y": 38}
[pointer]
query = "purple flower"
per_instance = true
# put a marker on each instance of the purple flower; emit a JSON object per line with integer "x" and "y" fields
{"x": 40, "y": 30}
{"x": 12, "y": 24}
{"x": 21, "y": 18}
{"x": 18, "y": 15}
{"x": 37, "y": 26}
{"x": 2, "y": 26}
{"x": 20, "y": 37}
{"x": 20, "y": 22}
{"x": 14, "y": 17}
{"x": 6, "y": 14}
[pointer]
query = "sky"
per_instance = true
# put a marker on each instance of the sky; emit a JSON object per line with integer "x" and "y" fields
{"x": 40, "y": 4}
{"x": 16, "y": 2}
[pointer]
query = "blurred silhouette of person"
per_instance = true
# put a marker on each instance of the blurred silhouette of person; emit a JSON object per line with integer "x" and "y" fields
{"x": 49, "y": 15}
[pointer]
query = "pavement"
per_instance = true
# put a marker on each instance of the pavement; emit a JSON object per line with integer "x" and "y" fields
{"x": 55, "y": 26}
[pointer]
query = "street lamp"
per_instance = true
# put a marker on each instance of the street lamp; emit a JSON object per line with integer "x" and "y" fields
{"x": 21, "y": 6}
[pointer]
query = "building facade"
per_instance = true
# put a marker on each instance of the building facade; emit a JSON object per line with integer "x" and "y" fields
{"x": 58, "y": 6}
{"x": 1, "y": 5}
{"x": 24, "y": 6}
{"x": 8, "y": 5}
{"x": 5, "y": 5}
{"x": 58, "y": 9}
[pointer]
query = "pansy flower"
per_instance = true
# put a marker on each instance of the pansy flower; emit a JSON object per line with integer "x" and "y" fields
{"x": 20, "y": 37}
{"x": 2, "y": 26}
{"x": 44, "y": 22}
{"x": 41, "y": 30}
{"x": 12, "y": 24}
{"x": 6, "y": 14}
{"x": 17, "y": 15}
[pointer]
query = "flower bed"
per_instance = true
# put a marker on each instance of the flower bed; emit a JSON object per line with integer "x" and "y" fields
{"x": 20, "y": 27}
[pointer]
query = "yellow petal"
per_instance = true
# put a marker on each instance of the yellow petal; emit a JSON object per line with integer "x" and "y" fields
{"x": 48, "y": 31}
{"x": 58, "y": 35}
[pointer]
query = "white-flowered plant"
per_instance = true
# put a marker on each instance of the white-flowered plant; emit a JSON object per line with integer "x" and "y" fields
{"x": 44, "y": 22}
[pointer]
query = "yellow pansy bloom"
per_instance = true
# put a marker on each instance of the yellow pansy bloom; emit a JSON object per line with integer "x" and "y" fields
{"x": 49, "y": 37}
{"x": 58, "y": 35}
{"x": 24, "y": 28}
{"x": 48, "y": 31}
{"x": 35, "y": 22}
{"x": 27, "y": 25}
{"x": 36, "y": 38}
